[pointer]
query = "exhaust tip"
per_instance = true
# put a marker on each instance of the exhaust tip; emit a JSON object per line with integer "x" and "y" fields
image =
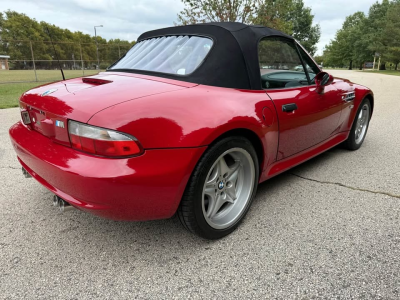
{"x": 55, "y": 200}
{"x": 63, "y": 205}
{"x": 25, "y": 173}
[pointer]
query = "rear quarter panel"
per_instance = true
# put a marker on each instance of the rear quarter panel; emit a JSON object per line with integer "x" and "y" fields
{"x": 193, "y": 117}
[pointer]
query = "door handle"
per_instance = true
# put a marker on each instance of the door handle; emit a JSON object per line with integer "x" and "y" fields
{"x": 289, "y": 107}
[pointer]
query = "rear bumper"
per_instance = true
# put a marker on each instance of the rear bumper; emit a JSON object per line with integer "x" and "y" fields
{"x": 146, "y": 187}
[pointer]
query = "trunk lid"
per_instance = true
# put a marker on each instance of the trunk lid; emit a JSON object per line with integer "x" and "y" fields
{"x": 50, "y": 106}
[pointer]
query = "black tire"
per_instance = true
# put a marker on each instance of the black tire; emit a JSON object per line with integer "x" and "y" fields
{"x": 190, "y": 211}
{"x": 351, "y": 142}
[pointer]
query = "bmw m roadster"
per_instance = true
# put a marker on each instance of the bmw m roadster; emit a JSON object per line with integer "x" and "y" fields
{"x": 189, "y": 121}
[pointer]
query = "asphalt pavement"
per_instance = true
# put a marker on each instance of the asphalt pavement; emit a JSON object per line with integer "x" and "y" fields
{"x": 328, "y": 229}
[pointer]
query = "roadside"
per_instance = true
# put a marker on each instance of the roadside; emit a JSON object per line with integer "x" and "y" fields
{"x": 384, "y": 72}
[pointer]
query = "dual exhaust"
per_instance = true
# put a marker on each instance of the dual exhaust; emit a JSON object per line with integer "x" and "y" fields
{"x": 62, "y": 205}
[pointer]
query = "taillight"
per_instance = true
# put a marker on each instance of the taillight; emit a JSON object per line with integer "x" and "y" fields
{"x": 101, "y": 141}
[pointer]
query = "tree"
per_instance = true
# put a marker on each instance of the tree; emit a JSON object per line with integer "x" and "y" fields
{"x": 362, "y": 36}
{"x": 376, "y": 24}
{"x": 276, "y": 14}
{"x": 303, "y": 28}
{"x": 391, "y": 34}
{"x": 201, "y": 11}
{"x": 18, "y": 32}
{"x": 343, "y": 50}
{"x": 319, "y": 59}
{"x": 289, "y": 16}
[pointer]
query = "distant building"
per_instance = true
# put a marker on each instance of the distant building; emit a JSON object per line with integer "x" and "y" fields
{"x": 4, "y": 62}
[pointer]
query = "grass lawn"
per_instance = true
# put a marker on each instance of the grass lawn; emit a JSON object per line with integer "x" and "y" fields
{"x": 11, "y": 89}
{"x": 386, "y": 72}
{"x": 334, "y": 68}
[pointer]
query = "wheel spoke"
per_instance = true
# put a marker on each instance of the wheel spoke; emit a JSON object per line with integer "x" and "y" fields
{"x": 213, "y": 176}
{"x": 216, "y": 205}
{"x": 358, "y": 123}
{"x": 359, "y": 119}
{"x": 231, "y": 193}
{"x": 223, "y": 167}
{"x": 210, "y": 190}
{"x": 211, "y": 197}
{"x": 365, "y": 116}
{"x": 234, "y": 171}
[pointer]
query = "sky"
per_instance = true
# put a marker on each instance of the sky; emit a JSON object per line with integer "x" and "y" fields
{"x": 127, "y": 19}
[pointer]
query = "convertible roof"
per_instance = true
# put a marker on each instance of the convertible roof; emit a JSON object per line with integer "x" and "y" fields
{"x": 232, "y": 61}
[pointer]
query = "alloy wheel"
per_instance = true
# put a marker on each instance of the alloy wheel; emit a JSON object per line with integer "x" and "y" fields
{"x": 362, "y": 124}
{"x": 228, "y": 188}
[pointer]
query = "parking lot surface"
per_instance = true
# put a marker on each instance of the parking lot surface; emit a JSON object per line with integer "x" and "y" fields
{"x": 326, "y": 229}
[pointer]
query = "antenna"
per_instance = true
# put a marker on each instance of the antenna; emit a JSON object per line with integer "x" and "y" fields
{"x": 55, "y": 52}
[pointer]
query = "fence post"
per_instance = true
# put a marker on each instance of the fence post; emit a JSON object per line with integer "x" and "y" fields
{"x": 33, "y": 60}
{"x": 83, "y": 69}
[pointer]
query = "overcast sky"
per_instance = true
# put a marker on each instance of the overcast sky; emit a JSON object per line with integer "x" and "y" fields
{"x": 126, "y": 19}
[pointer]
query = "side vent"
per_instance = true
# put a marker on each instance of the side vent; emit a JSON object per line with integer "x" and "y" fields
{"x": 348, "y": 96}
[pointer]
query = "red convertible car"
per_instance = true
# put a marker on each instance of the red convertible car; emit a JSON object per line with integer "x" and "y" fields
{"x": 187, "y": 122}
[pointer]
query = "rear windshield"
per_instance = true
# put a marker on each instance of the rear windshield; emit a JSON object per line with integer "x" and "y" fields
{"x": 168, "y": 54}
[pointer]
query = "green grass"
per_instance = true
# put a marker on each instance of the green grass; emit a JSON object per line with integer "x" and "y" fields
{"x": 327, "y": 68}
{"x": 11, "y": 89}
{"x": 386, "y": 72}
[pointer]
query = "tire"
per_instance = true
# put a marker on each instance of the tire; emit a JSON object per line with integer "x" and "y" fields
{"x": 218, "y": 196}
{"x": 359, "y": 129}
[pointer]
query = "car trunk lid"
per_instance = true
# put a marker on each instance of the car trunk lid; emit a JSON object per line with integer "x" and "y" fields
{"x": 49, "y": 107}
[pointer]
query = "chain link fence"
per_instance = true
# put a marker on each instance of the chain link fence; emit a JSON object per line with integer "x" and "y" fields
{"x": 36, "y": 61}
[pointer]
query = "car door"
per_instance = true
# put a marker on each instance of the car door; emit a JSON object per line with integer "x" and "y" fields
{"x": 306, "y": 117}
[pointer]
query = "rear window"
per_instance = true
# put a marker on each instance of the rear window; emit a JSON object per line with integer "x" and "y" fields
{"x": 168, "y": 54}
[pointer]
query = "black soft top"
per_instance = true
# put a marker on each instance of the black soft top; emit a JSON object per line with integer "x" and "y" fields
{"x": 232, "y": 61}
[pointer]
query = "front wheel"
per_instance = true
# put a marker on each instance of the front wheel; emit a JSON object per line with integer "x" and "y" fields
{"x": 221, "y": 188}
{"x": 360, "y": 126}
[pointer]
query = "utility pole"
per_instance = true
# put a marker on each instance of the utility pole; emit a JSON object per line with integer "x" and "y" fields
{"x": 97, "y": 46}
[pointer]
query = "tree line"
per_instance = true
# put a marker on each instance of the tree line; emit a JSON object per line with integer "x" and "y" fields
{"x": 289, "y": 16}
{"x": 21, "y": 35}
{"x": 364, "y": 36}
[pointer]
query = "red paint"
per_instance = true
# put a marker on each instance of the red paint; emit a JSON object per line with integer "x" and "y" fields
{"x": 315, "y": 119}
{"x": 174, "y": 122}
{"x": 77, "y": 100}
{"x": 149, "y": 186}
{"x": 294, "y": 160}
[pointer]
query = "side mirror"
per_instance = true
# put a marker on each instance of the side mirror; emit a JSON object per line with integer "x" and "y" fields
{"x": 321, "y": 80}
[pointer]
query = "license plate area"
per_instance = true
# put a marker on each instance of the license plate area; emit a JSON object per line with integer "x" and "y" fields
{"x": 26, "y": 119}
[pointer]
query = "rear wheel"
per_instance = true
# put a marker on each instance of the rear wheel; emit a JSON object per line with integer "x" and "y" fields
{"x": 221, "y": 188}
{"x": 360, "y": 126}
